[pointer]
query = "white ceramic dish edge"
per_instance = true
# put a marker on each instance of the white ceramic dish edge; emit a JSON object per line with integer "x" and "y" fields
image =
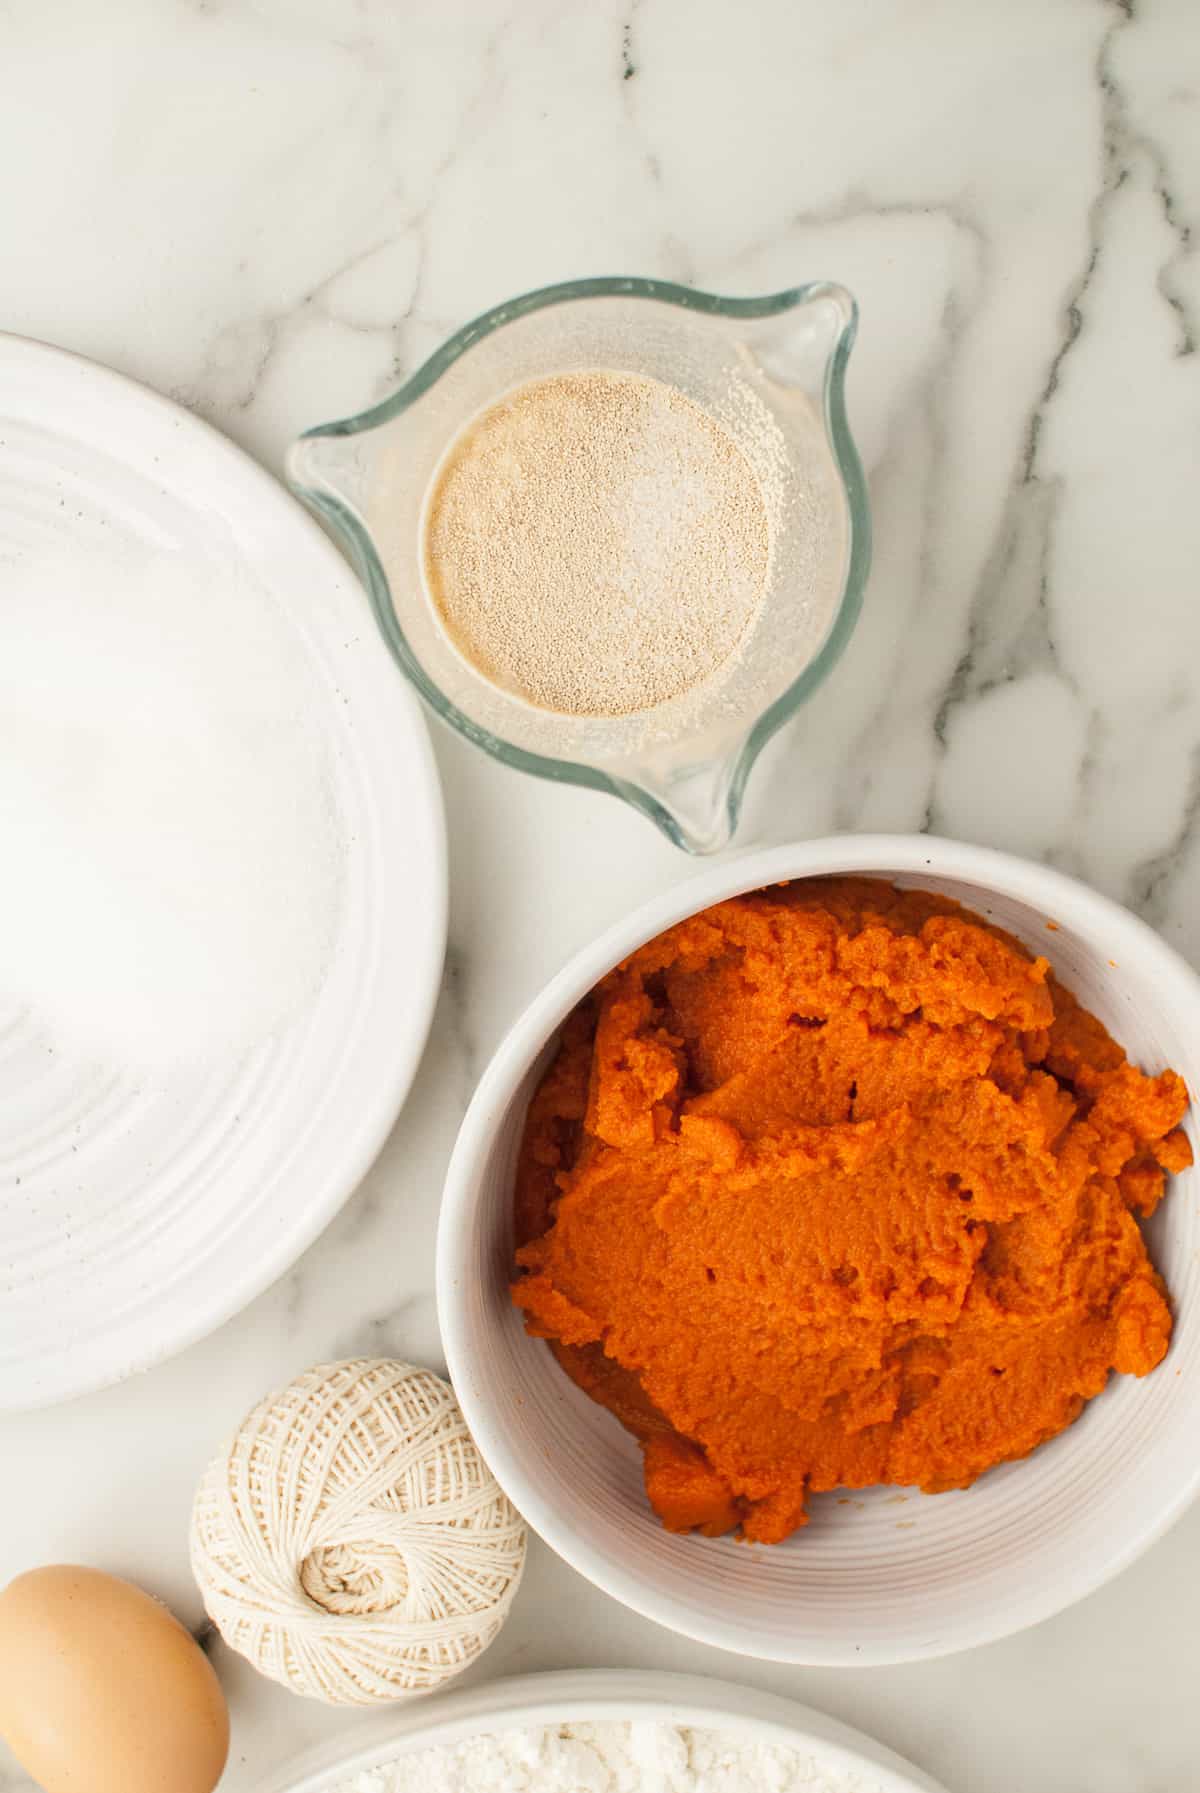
{"x": 592, "y": 1696}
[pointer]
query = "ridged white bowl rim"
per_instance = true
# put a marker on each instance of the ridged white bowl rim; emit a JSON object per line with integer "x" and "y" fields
{"x": 155, "y": 433}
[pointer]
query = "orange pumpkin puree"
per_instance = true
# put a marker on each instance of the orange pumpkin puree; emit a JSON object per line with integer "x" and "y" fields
{"x": 834, "y": 1185}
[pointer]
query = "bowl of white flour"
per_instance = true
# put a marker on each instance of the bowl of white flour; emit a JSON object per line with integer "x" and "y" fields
{"x": 606, "y": 1731}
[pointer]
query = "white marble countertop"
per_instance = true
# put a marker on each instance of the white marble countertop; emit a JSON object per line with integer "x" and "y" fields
{"x": 269, "y": 208}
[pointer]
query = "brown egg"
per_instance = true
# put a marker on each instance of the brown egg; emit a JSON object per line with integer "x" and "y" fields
{"x": 103, "y": 1691}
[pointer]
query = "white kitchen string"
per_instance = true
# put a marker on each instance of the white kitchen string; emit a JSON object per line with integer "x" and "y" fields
{"x": 351, "y": 1542}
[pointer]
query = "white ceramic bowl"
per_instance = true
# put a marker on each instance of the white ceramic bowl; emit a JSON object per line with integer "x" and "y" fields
{"x": 890, "y": 1576}
{"x": 596, "y": 1696}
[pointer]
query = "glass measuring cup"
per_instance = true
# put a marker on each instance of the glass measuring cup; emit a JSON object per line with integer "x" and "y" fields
{"x": 685, "y": 763}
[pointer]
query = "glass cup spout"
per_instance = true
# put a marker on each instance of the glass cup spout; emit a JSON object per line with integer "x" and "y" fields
{"x": 683, "y": 764}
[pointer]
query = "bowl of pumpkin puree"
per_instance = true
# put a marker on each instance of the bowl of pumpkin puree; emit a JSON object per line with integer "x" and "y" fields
{"x": 817, "y": 1265}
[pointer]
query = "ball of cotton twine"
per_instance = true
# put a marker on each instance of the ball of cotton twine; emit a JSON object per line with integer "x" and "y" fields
{"x": 350, "y": 1541}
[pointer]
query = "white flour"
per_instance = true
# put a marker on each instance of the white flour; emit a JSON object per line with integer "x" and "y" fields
{"x": 171, "y": 853}
{"x": 640, "y": 1757}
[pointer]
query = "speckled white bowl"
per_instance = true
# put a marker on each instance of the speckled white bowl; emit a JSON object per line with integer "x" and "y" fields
{"x": 890, "y": 1576}
{"x": 839, "y": 1756}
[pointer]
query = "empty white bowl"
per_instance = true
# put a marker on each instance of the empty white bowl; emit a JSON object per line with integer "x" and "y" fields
{"x": 891, "y": 1575}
